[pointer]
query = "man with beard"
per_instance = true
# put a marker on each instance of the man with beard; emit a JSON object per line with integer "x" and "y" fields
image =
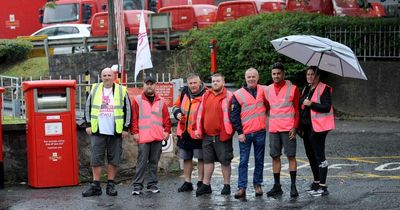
{"x": 150, "y": 126}
{"x": 213, "y": 122}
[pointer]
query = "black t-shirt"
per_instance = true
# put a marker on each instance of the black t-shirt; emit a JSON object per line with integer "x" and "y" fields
{"x": 323, "y": 107}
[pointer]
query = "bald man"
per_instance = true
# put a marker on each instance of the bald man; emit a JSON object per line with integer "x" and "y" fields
{"x": 108, "y": 118}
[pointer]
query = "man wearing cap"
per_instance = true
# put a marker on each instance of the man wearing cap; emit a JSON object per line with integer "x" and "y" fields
{"x": 108, "y": 118}
{"x": 282, "y": 100}
{"x": 150, "y": 126}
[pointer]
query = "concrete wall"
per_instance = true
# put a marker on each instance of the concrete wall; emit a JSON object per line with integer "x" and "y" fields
{"x": 379, "y": 96}
{"x": 15, "y": 156}
{"x": 78, "y": 64}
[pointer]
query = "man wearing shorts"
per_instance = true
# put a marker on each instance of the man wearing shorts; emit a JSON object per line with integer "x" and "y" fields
{"x": 214, "y": 124}
{"x": 282, "y": 98}
{"x": 185, "y": 111}
{"x": 108, "y": 118}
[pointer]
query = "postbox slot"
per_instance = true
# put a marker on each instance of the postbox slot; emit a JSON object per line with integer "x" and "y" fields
{"x": 52, "y": 100}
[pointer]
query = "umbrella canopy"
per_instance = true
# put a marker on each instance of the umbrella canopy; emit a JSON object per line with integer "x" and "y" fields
{"x": 324, "y": 53}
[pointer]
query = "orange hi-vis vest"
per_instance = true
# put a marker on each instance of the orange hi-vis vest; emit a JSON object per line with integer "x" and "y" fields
{"x": 321, "y": 121}
{"x": 189, "y": 109}
{"x": 225, "y": 111}
{"x": 150, "y": 120}
{"x": 282, "y": 112}
{"x": 253, "y": 110}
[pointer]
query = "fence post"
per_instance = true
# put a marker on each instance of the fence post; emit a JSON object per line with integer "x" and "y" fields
{"x": 87, "y": 82}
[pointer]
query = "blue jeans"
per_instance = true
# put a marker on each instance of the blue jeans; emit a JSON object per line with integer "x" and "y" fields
{"x": 258, "y": 140}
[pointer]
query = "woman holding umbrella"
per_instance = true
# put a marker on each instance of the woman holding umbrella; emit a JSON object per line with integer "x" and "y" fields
{"x": 316, "y": 120}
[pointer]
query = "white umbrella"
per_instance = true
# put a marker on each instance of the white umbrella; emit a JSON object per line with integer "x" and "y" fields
{"x": 324, "y": 53}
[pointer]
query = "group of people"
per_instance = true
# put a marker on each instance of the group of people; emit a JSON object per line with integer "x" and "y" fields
{"x": 207, "y": 120}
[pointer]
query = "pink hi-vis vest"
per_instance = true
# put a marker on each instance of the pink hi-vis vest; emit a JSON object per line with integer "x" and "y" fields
{"x": 189, "y": 108}
{"x": 282, "y": 112}
{"x": 321, "y": 121}
{"x": 150, "y": 120}
{"x": 225, "y": 111}
{"x": 253, "y": 114}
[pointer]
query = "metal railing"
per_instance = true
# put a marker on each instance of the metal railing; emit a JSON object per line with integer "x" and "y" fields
{"x": 369, "y": 42}
{"x": 14, "y": 101}
{"x": 158, "y": 40}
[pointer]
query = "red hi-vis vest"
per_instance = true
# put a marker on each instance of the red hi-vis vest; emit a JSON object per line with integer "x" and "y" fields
{"x": 253, "y": 114}
{"x": 150, "y": 120}
{"x": 225, "y": 105}
{"x": 282, "y": 112}
{"x": 321, "y": 121}
{"x": 189, "y": 110}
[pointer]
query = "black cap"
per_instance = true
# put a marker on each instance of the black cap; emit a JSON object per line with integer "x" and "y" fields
{"x": 149, "y": 79}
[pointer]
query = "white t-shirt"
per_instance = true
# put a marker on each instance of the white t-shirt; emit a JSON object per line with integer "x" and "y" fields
{"x": 106, "y": 114}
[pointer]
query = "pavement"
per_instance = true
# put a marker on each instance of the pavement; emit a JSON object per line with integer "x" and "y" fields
{"x": 364, "y": 173}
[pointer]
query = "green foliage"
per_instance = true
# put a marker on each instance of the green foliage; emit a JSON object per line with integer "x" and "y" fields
{"x": 12, "y": 51}
{"x": 245, "y": 43}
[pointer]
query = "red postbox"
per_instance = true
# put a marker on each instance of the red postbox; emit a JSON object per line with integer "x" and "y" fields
{"x": 1, "y": 144}
{"x": 51, "y": 133}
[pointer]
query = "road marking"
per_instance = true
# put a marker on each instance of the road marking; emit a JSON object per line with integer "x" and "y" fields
{"x": 383, "y": 167}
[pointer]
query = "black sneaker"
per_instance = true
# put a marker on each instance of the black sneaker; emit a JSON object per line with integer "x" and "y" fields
{"x": 92, "y": 191}
{"x": 313, "y": 187}
{"x": 137, "y": 190}
{"x": 199, "y": 183}
{"x": 186, "y": 186}
{"x": 203, "y": 189}
{"x": 226, "y": 190}
{"x": 275, "y": 191}
{"x": 322, "y": 191}
{"x": 153, "y": 188}
{"x": 293, "y": 191}
{"x": 110, "y": 190}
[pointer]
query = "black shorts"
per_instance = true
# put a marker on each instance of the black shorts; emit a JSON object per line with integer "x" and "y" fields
{"x": 279, "y": 140}
{"x": 216, "y": 151}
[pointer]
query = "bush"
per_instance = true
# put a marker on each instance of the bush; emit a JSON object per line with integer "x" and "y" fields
{"x": 246, "y": 43}
{"x": 12, "y": 51}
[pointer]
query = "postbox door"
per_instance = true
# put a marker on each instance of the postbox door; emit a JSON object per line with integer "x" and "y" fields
{"x": 55, "y": 150}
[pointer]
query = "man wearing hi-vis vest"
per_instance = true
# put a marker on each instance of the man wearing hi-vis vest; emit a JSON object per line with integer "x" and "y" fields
{"x": 214, "y": 125}
{"x": 108, "y": 118}
{"x": 151, "y": 125}
{"x": 185, "y": 111}
{"x": 316, "y": 120}
{"x": 282, "y": 100}
{"x": 248, "y": 117}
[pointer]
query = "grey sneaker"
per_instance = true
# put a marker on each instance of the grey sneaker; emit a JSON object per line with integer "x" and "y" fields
{"x": 137, "y": 190}
{"x": 153, "y": 189}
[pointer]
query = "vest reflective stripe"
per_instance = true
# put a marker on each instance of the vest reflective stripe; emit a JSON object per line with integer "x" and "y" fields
{"x": 150, "y": 120}
{"x": 321, "y": 121}
{"x": 225, "y": 112}
{"x": 119, "y": 97}
{"x": 282, "y": 112}
{"x": 252, "y": 114}
{"x": 190, "y": 115}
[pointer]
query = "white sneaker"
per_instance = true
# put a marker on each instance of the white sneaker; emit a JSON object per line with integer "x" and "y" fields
{"x": 137, "y": 190}
{"x": 153, "y": 189}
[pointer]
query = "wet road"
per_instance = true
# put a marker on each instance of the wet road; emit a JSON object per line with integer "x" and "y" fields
{"x": 364, "y": 173}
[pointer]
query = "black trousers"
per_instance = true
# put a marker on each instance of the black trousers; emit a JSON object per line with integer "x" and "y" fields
{"x": 314, "y": 144}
